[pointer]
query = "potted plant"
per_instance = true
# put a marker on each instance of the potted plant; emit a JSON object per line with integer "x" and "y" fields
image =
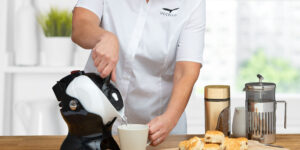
{"x": 56, "y": 44}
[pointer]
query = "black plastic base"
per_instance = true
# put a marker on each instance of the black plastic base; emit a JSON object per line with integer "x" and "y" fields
{"x": 87, "y": 132}
{"x": 93, "y": 142}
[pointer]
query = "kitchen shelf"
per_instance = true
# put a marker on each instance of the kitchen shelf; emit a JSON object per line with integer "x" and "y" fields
{"x": 40, "y": 69}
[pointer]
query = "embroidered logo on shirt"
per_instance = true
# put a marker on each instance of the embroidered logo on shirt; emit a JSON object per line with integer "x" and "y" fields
{"x": 168, "y": 12}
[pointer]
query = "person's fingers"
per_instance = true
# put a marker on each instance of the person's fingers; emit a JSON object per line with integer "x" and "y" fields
{"x": 113, "y": 75}
{"x": 97, "y": 60}
{"x": 153, "y": 127}
{"x": 155, "y": 136}
{"x": 94, "y": 54}
{"x": 101, "y": 66}
{"x": 107, "y": 70}
{"x": 158, "y": 140}
{"x": 97, "y": 55}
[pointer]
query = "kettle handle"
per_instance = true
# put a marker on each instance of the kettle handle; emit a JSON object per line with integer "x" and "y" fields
{"x": 106, "y": 82}
{"x": 107, "y": 79}
{"x": 282, "y": 101}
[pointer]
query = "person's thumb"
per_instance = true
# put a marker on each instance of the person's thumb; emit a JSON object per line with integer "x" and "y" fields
{"x": 113, "y": 75}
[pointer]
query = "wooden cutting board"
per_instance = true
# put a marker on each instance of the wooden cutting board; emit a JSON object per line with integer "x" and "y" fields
{"x": 253, "y": 145}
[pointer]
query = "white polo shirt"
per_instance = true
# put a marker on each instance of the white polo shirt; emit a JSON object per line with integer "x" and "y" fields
{"x": 152, "y": 37}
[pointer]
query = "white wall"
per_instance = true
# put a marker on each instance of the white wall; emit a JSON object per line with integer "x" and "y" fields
{"x": 20, "y": 90}
{"x": 3, "y": 17}
{"x": 34, "y": 103}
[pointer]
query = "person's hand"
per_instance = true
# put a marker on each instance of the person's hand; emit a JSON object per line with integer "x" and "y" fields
{"x": 106, "y": 54}
{"x": 159, "y": 128}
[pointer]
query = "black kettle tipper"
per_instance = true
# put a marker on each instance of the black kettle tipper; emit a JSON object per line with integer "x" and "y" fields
{"x": 89, "y": 105}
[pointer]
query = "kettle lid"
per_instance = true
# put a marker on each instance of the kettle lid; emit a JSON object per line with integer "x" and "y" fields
{"x": 265, "y": 86}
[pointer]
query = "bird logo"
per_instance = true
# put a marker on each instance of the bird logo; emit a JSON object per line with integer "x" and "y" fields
{"x": 170, "y": 10}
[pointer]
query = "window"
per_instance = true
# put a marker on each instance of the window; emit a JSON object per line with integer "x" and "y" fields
{"x": 246, "y": 37}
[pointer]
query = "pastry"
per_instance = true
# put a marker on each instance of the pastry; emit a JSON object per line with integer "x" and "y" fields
{"x": 214, "y": 140}
{"x": 243, "y": 142}
{"x": 214, "y": 137}
{"x": 194, "y": 143}
{"x": 235, "y": 143}
{"x": 184, "y": 145}
{"x": 230, "y": 144}
{"x": 211, "y": 147}
{"x": 223, "y": 145}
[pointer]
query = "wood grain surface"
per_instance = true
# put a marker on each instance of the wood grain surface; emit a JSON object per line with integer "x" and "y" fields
{"x": 291, "y": 141}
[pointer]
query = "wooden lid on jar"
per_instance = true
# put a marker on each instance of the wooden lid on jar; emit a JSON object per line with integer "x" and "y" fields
{"x": 217, "y": 92}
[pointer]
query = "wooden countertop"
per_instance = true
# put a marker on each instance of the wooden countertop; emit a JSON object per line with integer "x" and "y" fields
{"x": 291, "y": 141}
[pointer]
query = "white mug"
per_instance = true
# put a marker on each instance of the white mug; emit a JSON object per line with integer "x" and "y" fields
{"x": 133, "y": 136}
{"x": 239, "y": 122}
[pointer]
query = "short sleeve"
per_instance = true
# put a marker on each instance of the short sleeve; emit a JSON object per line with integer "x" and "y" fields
{"x": 96, "y": 6}
{"x": 191, "y": 40}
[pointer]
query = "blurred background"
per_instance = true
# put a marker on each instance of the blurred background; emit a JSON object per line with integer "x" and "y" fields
{"x": 243, "y": 38}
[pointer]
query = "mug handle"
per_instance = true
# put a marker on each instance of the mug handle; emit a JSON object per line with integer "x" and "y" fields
{"x": 282, "y": 101}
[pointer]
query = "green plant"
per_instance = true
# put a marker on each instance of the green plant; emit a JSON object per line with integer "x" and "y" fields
{"x": 277, "y": 70}
{"x": 56, "y": 23}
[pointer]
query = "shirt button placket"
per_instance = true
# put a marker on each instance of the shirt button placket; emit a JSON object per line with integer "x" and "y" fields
{"x": 135, "y": 39}
{"x": 136, "y": 36}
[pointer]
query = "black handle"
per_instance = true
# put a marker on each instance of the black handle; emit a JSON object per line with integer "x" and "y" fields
{"x": 106, "y": 82}
{"x": 107, "y": 79}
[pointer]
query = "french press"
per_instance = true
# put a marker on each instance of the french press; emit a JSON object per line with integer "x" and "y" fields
{"x": 261, "y": 111}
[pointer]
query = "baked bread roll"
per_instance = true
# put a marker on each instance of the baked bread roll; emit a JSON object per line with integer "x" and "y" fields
{"x": 214, "y": 140}
{"x": 214, "y": 137}
{"x": 184, "y": 145}
{"x": 223, "y": 145}
{"x": 212, "y": 147}
{"x": 194, "y": 143}
{"x": 235, "y": 143}
{"x": 230, "y": 144}
{"x": 243, "y": 142}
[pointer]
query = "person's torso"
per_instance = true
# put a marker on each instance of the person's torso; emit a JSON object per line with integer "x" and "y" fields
{"x": 148, "y": 34}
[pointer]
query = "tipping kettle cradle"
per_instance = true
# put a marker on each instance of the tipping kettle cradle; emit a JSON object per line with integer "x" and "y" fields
{"x": 89, "y": 106}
